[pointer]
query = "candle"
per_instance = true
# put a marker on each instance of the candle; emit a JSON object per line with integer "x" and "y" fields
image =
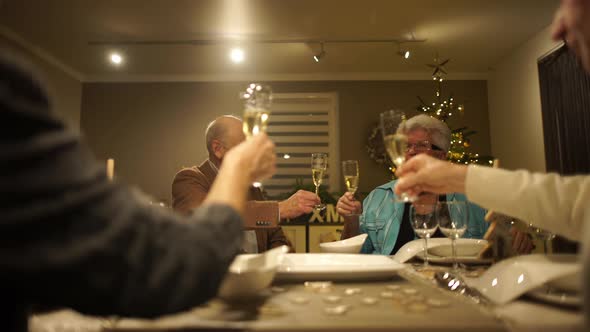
{"x": 496, "y": 163}
{"x": 110, "y": 168}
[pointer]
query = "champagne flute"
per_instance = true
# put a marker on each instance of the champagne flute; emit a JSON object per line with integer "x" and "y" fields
{"x": 424, "y": 222}
{"x": 452, "y": 220}
{"x": 350, "y": 170}
{"x": 257, "y": 100}
{"x": 395, "y": 142}
{"x": 319, "y": 164}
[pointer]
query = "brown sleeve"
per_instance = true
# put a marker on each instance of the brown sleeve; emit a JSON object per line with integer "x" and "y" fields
{"x": 189, "y": 190}
{"x": 277, "y": 238}
{"x": 265, "y": 211}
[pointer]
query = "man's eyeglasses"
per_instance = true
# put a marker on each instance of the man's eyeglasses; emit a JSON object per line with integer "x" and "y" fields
{"x": 422, "y": 146}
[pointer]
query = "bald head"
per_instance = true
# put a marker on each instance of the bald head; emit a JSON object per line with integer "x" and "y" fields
{"x": 224, "y": 133}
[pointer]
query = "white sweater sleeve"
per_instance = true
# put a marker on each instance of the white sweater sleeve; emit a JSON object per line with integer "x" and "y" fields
{"x": 558, "y": 204}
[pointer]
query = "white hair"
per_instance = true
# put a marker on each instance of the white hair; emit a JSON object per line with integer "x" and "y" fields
{"x": 439, "y": 132}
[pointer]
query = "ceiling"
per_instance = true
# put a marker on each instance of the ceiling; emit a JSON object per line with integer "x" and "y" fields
{"x": 474, "y": 34}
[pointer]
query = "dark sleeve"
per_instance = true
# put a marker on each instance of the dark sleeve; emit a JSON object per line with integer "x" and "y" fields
{"x": 68, "y": 237}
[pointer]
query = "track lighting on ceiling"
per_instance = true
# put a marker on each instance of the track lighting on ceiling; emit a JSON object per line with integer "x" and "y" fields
{"x": 317, "y": 57}
{"x": 236, "y": 55}
{"x": 404, "y": 52}
{"x": 116, "y": 58}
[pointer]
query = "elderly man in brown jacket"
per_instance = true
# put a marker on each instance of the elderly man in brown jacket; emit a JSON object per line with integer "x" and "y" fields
{"x": 191, "y": 185}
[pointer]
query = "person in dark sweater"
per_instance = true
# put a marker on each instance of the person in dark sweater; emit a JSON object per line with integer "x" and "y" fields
{"x": 70, "y": 238}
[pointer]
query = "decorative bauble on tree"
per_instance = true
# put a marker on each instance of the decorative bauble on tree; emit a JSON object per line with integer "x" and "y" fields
{"x": 445, "y": 108}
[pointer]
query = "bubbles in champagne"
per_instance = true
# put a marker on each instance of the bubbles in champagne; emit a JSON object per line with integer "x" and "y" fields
{"x": 352, "y": 182}
{"x": 257, "y": 101}
{"x": 317, "y": 175}
{"x": 255, "y": 121}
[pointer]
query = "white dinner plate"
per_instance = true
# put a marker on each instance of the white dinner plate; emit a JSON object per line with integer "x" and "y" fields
{"x": 460, "y": 259}
{"x": 331, "y": 267}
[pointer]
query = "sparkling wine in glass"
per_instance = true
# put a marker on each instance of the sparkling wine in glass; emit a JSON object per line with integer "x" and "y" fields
{"x": 452, "y": 221}
{"x": 395, "y": 141}
{"x": 424, "y": 222}
{"x": 257, "y": 101}
{"x": 319, "y": 164}
{"x": 350, "y": 171}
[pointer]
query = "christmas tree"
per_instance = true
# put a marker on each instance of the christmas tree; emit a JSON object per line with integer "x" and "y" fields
{"x": 442, "y": 109}
{"x": 445, "y": 108}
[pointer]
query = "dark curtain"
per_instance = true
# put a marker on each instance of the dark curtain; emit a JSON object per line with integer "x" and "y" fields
{"x": 565, "y": 101}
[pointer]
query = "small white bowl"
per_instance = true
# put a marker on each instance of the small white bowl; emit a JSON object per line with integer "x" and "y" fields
{"x": 349, "y": 246}
{"x": 249, "y": 274}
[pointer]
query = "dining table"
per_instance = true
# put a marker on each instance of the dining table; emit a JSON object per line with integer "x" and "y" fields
{"x": 409, "y": 300}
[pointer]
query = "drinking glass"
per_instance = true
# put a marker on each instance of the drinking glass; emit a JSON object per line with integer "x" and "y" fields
{"x": 257, "y": 100}
{"x": 350, "y": 171}
{"x": 395, "y": 142}
{"x": 319, "y": 164}
{"x": 542, "y": 235}
{"x": 452, "y": 221}
{"x": 424, "y": 222}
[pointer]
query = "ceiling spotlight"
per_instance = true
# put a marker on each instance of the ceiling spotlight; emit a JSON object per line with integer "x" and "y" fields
{"x": 404, "y": 53}
{"x": 236, "y": 55}
{"x": 317, "y": 57}
{"x": 116, "y": 58}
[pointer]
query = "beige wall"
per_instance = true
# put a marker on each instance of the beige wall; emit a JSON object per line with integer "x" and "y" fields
{"x": 515, "y": 106}
{"x": 65, "y": 90}
{"x": 153, "y": 129}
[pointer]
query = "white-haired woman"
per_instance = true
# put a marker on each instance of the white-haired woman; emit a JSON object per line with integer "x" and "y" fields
{"x": 386, "y": 222}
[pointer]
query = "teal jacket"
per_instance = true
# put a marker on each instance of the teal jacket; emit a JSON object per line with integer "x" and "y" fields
{"x": 382, "y": 217}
